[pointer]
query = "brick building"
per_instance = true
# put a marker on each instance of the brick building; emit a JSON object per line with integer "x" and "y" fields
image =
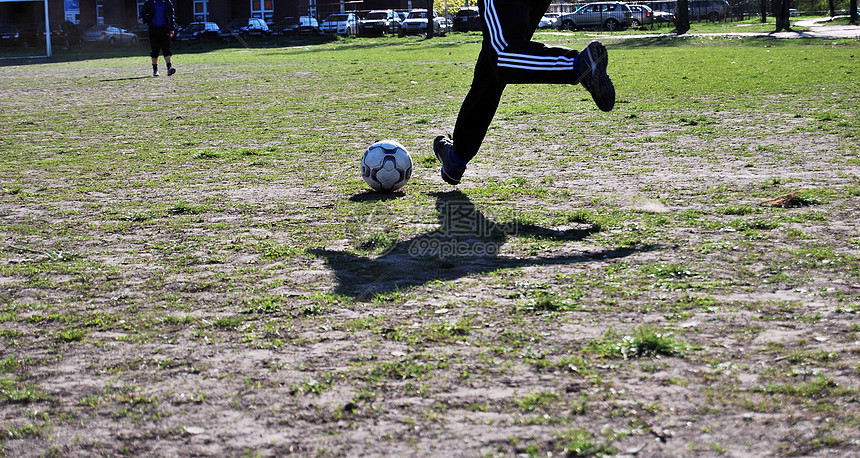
{"x": 124, "y": 12}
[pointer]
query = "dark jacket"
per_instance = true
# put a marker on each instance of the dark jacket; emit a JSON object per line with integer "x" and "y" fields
{"x": 147, "y": 11}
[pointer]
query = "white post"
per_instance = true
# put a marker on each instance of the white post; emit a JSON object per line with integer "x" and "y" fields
{"x": 47, "y": 31}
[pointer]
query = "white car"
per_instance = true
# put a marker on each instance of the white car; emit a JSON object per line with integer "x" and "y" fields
{"x": 345, "y": 24}
{"x": 549, "y": 21}
{"x": 416, "y": 23}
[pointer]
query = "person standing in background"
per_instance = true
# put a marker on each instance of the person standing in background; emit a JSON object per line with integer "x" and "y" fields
{"x": 158, "y": 15}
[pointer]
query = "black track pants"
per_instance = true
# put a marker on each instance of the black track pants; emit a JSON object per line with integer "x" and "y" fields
{"x": 508, "y": 56}
{"x": 159, "y": 40}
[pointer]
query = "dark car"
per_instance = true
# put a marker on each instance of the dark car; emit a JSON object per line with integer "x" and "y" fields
{"x": 29, "y": 34}
{"x": 72, "y": 34}
{"x": 380, "y": 22}
{"x": 9, "y": 36}
{"x": 245, "y": 27}
{"x": 141, "y": 31}
{"x": 199, "y": 31}
{"x": 59, "y": 35}
{"x": 290, "y": 26}
{"x": 468, "y": 18}
{"x": 712, "y": 10}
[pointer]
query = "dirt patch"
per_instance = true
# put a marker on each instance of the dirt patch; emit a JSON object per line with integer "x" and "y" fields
{"x": 575, "y": 296}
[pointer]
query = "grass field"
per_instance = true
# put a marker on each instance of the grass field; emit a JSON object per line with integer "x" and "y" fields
{"x": 193, "y": 265}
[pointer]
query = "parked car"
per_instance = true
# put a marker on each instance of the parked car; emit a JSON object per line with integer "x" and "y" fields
{"x": 72, "y": 34}
{"x": 245, "y": 27}
{"x": 142, "y": 32}
{"x": 712, "y": 10}
{"x": 62, "y": 34}
{"x": 607, "y": 15}
{"x": 109, "y": 34}
{"x": 642, "y": 15}
{"x": 666, "y": 6}
{"x": 446, "y": 24}
{"x": 9, "y": 36}
{"x": 303, "y": 25}
{"x": 380, "y": 22}
{"x": 341, "y": 24}
{"x": 59, "y": 36}
{"x": 416, "y": 23}
{"x": 199, "y": 31}
{"x": 468, "y": 18}
{"x": 549, "y": 21}
{"x": 661, "y": 17}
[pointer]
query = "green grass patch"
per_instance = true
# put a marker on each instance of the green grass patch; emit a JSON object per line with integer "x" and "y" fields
{"x": 643, "y": 342}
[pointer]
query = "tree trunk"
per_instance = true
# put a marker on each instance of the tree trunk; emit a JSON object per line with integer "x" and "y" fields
{"x": 764, "y": 11}
{"x": 781, "y": 13}
{"x": 853, "y": 12}
{"x": 429, "y": 18}
{"x": 682, "y": 17}
{"x": 832, "y": 6}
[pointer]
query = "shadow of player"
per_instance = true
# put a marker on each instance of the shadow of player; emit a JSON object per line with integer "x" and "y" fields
{"x": 128, "y": 78}
{"x": 466, "y": 242}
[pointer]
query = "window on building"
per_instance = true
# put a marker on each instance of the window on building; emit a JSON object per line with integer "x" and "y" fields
{"x": 201, "y": 10}
{"x": 263, "y": 9}
{"x": 72, "y": 11}
{"x": 100, "y": 12}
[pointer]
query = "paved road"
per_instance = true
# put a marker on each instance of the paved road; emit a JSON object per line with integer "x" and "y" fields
{"x": 818, "y": 30}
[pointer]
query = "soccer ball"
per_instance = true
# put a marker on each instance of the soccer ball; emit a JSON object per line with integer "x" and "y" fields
{"x": 386, "y": 165}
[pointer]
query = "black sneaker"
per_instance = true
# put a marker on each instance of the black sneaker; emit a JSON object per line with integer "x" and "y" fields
{"x": 451, "y": 171}
{"x": 154, "y": 73}
{"x": 592, "y": 75}
{"x": 171, "y": 71}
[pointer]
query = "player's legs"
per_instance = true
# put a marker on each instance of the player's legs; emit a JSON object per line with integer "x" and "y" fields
{"x": 478, "y": 108}
{"x": 508, "y": 29}
{"x": 155, "y": 39}
{"x": 155, "y": 34}
{"x": 509, "y": 56}
{"x": 473, "y": 120}
{"x": 165, "y": 49}
{"x": 521, "y": 19}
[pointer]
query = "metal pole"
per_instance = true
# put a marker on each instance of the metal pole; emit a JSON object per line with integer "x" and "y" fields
{"x": 47, "y": 31}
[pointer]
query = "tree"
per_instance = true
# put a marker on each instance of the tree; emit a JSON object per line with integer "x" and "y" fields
{"x": 682, "y": 17}
{"x": 764, "y": 11}
{"x": 430, "y": 19}
{"x": 780, "y": 8}
{"x": 853, "y": 12}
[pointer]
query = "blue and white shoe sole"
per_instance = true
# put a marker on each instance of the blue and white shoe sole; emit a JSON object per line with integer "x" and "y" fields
{"x": 597, "y": 81}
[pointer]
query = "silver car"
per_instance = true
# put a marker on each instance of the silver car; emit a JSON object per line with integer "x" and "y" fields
{"x": 642, "y": 15}
{"x": 607, "y": 15}
{"x": 110, "y": 35}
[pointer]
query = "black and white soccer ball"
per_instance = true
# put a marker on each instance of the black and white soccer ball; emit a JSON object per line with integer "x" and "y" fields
{"x": 386, "y": 165}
